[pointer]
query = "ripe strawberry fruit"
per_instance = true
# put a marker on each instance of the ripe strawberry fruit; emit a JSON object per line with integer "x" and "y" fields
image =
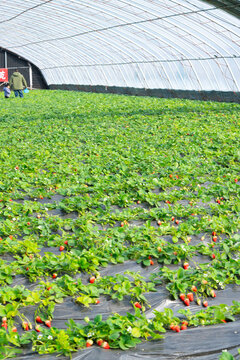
{"x": 218, "y": 201}
{"x": 66, "y": 242}
{"x": 137, "y": 305}
{"x": 61, "y": 248}
{"x": 205, "y": 303}
{"x": 185, "y": 323}
{"x": 105, "y": 345}
{"x": 214, "y": 233}
{"x": 4, "y": 325}
{"x": 187, "y": 302}
{"x": 151, "y": 262}
{"x": 92, "y": 279}
{"x": 236, "y": 180}
{"x": 172, "y": 326}
{"x": 38, "y": 328}
{"x": 159, "y": 249}
{"x": 213, "y": 294}
{"x": 4, "y": 319}
{"x": 97, "y": 301}
{"x": 14, "y": 329}
{"x": 186, "y": 265}
{"x": 190, "y": 296}
{"x": 48, "y": 323}
{"x": 177, "y": 328}
{"x": 213, "y": 256}
{"x": 194, "y": 289}
{"x": 159, "y": 222}
{"x": 183, "y": 327}
{"x": 177, "y": 222}
{"x": 214, "y": 238}
{"x": 99, "y": 342}
{"x": 25, "y": 325}
{"x": 182, "y": 297}
{"x": 173, "y": 218}
{"x": 54, "y": 275}
{"x": 89, "y": 343}
{"x": 38, "y": 320}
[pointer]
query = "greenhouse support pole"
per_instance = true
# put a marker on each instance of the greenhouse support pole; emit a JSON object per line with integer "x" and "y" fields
{"x": 5, "y": 60}
{"x": 30, "y": 77}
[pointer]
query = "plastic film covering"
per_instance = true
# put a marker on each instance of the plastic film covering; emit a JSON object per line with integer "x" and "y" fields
{"x": 172, "y": 44}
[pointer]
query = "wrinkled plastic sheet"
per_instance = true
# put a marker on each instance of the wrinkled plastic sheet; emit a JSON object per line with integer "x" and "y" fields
{"x": 203, "y": 343}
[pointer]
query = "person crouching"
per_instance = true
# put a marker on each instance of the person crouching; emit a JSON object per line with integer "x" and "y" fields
{"x": 7, "y": 91}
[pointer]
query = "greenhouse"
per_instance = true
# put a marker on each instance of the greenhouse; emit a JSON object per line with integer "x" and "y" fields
{"x": 120, "y": 179}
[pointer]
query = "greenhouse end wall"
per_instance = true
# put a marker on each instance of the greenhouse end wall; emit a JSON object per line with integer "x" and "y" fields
{"x": 219, "y": 96}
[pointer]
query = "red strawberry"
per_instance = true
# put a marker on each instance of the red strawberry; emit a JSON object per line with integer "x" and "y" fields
{"x": 14, "y": 329}
{"x": 177, "y": 222}
{"x": 137, "y": 305}
{"x": 173, "y": 218}
{"x": 25, "y": 325}
{"x": 48, "y": 323}
{"x": 138, "y": 202}
{"x": 167, "y": 202}
{"x": 49, "y": 288}
{"x": 159, "y": 249}
{"x": 28, "y": 223}
{"x": 105, "y": 345}
{"x": 4, "y": 325}
{"x": 190, "y": 296}
{"x": 194, "y": 289}
{"x": 151, "y": 262}
{"x": 149, "y": 257}
{"x": 89, "y": 343}
{"x": 99, "y": 342}
{"x": 218, "y": 201}
{"x": 54, "y": 275}
{"x": 236, "y": 180}
{"x": 38, "y": 320}
{"x": 38, "y": 328}
{"x": 214, "y": 233}
{"x": 172, "y": 326}
{"x": 159, "y": 222}
{"x": 213, "y": 256}
{"x": 204, "y": 282}
{"x": 186, "y": 265}
{"x": 187, "y": 302}
{"x": 170, "y": 175}
{"x": 182, "y": 297}
{"x": 205, "y": 303}
{"x": 97, "y": 301}
{"x": 214, "y": 238}
{"x": 66, "y": 242}
{"x": 92, "y": 279}
{"x": 61, "y": 248}
{"x": 175, "y": 253}
{"x": 183, "y": 327}
{"x": 185, "y": 323}
{"x": 4, "y": 319}
{"x": 223, "y": 320}
{"x": 213, "y": 294}
{"x": 122, "y": 224}
{"x": 177, "y": 328}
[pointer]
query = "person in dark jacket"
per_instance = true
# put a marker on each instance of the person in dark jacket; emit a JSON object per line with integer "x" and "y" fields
{"x": 17, "y": 83}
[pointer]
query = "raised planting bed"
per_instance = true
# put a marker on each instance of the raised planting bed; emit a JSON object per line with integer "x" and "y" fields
{"x": 119, "y": 227}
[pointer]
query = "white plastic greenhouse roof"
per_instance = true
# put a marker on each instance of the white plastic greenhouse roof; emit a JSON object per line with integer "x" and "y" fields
{"x": 171, "y": 44}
